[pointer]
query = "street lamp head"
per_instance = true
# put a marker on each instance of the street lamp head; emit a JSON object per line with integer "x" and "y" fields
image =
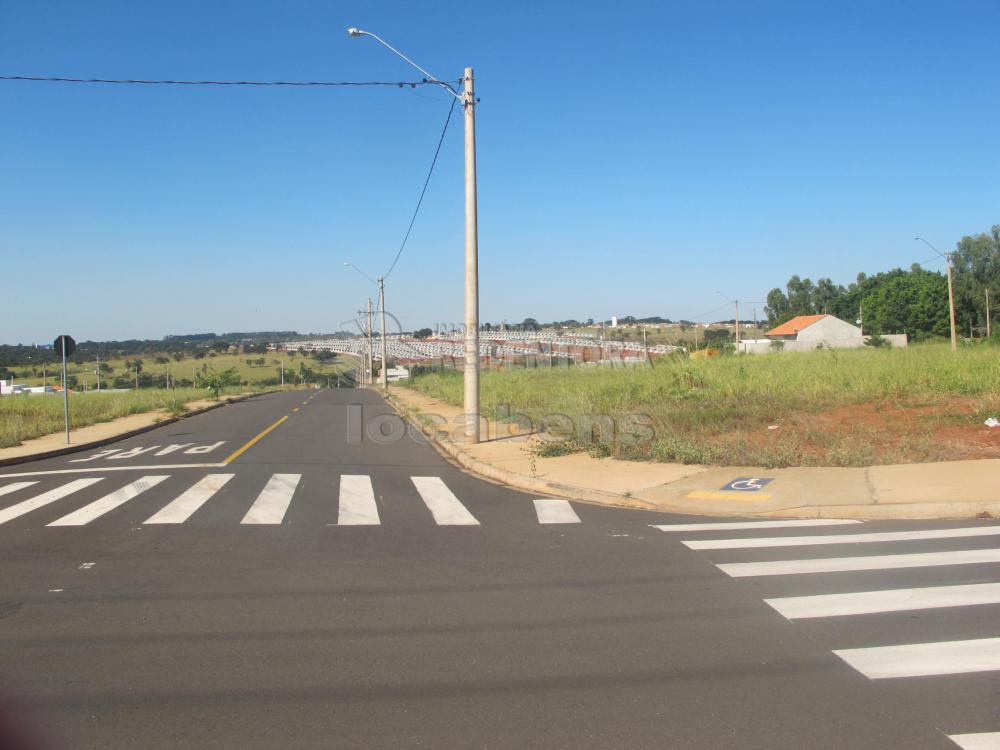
{"x": 353, "y": 32}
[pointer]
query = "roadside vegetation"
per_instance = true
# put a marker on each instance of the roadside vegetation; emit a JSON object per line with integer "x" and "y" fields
{"x": 823, "y": 408}
{"x": 24, "y": 417}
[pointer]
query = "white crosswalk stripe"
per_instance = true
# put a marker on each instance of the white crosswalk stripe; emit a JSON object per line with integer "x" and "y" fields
{"x": 26, "y": 506}
{"x": 357, "y": 504}
{"x": 357, "y": 501}
{"x": 892, "y": 600}
{"x": 98, "y": 508}
{"x": 443, "y": 505}
{"x": 805, "y": 541}
{"x": 977, "y": 741}
{"x": 182, "y": 507}
{"x": 552, "y": 510}
{"x": 735, "y": 525}
{"x": 8, "y": 489}
{"x": 873, "y": 562}
{"x": 924, "y": 659}
{"x": 273, "y": 501}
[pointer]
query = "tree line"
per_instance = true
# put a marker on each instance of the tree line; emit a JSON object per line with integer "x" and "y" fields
{"x": 913, "y": 301}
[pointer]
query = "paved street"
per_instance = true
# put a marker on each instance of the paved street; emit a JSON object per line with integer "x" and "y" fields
{"x": 269, "y": 575}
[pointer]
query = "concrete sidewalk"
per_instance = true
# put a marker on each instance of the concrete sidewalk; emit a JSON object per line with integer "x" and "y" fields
{"x": 956, "y": 489}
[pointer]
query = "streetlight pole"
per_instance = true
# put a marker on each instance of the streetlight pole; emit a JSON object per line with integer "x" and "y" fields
{"x": 949, "y": 259}
{"x": 468, "y": 100}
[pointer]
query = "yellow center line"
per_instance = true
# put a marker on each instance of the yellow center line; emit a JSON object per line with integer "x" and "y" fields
{"x": 253, "y": 441}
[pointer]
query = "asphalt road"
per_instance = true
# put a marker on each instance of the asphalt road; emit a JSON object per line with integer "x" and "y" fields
{"x": 177, "y": 600}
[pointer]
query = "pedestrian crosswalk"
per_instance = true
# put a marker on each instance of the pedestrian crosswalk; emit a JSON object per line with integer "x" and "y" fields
{"x": 781, "y": 560}
{"x": 268, "y": 503}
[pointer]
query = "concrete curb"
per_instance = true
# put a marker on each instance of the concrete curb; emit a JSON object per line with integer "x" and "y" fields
{"x": 69, "y": 449}
{"x": 862, "y": 511}
{"x": 530, "y": 484}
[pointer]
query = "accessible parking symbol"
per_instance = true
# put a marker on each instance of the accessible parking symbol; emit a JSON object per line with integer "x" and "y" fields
{"x": 748, "y": 484}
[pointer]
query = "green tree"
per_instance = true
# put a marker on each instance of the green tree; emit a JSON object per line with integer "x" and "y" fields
{"x": 216, "y": 381}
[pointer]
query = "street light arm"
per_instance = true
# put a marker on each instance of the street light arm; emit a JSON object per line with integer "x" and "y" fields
{"x": 921, "y": 239}
{"x": 355, "y": 33}
{"x": 351, "y": 265}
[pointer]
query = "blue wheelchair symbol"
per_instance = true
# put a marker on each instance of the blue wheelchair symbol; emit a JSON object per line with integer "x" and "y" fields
{"x": 748, "y": 484}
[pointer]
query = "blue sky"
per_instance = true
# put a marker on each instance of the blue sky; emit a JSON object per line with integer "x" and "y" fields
{"x": 633, "y": 157}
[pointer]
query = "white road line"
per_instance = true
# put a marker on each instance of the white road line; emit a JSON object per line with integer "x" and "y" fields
{"x": 552, "y": 510}
{"x": 92, "y": 469}
{"x": 892, "y": 600}
{"x": 730, "y": 525}
{"x": 978, "y": 741}
{"x": 98, "y": 508}
{"x": 26, "y": 506}
{"x": 443, "y": 505}
{"x": 184, "y": 505}
{"x": 873, "y": 562}
{"x": 15, "y": 487}
{"x": 357, "y": 501}
{"x": 272, "y": 502}
{"x": 925, "y": 659}
{"x": 807, "y": 541}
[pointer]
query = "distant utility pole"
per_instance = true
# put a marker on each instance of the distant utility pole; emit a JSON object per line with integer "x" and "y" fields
{"x": 989, "y": 330}
{"x": 381, "y": 304}
{"x": 282, "y": 360}
{"x": 371, "y": 349}
{"x": 949, "y": 258}
{"x": 98, "y": 371}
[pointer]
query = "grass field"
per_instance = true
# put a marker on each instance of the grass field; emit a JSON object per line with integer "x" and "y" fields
{"x": 29, "y": 416}
{"x": 847, "y": 407}
{"x": 188, "y": 368}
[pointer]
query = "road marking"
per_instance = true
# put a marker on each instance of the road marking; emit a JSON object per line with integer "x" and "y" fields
{"x": 15, "y": 487}
{"x": 357, "y": 501}
{"x": 978, "y": 741}
{"x": 443, "y": 505}
{"x": 924, "y": 659}
{"x": 873, "y": 562}
{"x": 102, "y": 469}
{"x": 86, "y": 566}
{"x": 26, "y": 506}
{"x": 295, "y": 409}
{"x": 252, "y": 442}
{"x": 98, "y": 508}
{"x": 727, "y": 525}
{"x": 552, "y": 510}
{"x": 272, "y": 502}
{"x": 805, "y": 541}
{"x": 181, "y": 508}
{"x": 731, "y": 495}
{"x": 892, "y": 600}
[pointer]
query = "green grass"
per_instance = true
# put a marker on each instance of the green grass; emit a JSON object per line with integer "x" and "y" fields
{"x": 24, "y": 417}
{"x": 718, "y": 410}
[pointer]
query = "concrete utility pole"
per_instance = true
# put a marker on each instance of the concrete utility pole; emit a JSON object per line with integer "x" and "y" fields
{"x": 471, "y": 400}
{"x": 989, "y": 330}
{"x": 951, "y": 306}
{"x": 381, "y": 304}
{"x": 949, "y": 258}
{"x": 469, "y": 102}
{"x": 65, "y": 390}
{"x": 371, "y": 349}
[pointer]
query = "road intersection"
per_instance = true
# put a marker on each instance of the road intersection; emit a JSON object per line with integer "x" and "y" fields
{"x": 257, "y": 577}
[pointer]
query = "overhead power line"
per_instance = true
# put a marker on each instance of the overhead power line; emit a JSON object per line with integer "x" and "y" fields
{"x": 427, "y": 181}
{"x": 142, "y": 82}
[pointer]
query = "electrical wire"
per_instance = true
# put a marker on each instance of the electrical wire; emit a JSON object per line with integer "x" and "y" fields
{"x": 170, "y": 82}
{"x": 423, "y": 192}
